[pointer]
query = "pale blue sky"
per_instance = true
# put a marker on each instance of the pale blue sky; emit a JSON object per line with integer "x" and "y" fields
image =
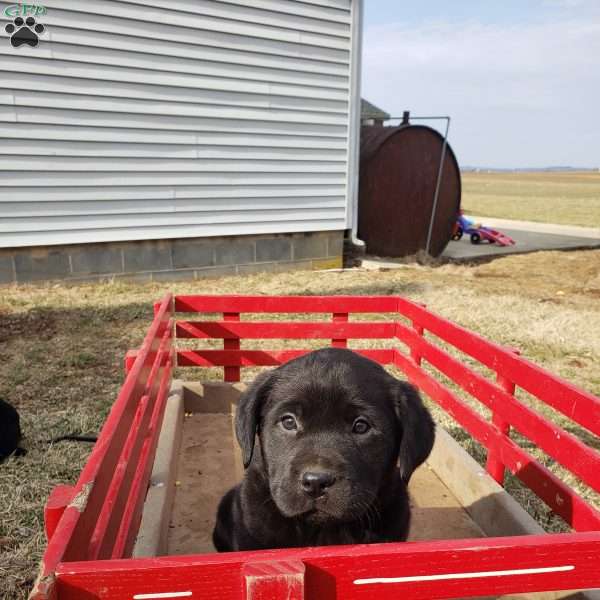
{"x": 520, "y": 78}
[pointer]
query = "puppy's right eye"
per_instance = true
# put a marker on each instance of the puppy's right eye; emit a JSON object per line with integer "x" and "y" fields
{"x": 289, "y": 422}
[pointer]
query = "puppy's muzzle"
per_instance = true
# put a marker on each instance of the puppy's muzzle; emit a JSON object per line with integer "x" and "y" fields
{"x": 315, "y": 483}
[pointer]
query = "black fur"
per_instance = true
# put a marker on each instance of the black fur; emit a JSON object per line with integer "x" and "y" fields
{"x": 74, "y": 438}
{"x": 10, "y": 431}
{"x": 361, "y": 495}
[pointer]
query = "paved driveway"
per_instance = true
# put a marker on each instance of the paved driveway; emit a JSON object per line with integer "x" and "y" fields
{"x": 529, "y": 237}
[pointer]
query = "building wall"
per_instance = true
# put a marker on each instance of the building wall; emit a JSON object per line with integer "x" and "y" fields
{"x": 147, "y": 120}
{"x": 170, "y": 260}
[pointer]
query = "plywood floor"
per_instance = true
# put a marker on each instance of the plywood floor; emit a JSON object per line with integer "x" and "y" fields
{"x": 207, "y": 469}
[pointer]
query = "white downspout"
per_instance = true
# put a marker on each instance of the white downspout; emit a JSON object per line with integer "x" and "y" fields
{"x": 354, "y": 120}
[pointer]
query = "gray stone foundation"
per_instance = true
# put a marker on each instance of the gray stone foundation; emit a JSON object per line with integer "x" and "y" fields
{"x": 164, "y": 260}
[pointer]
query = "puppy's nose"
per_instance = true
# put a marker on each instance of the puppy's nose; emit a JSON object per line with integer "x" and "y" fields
{"x": 315, "y": 483}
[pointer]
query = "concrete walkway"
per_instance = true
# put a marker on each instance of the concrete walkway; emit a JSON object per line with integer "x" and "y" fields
{"x": 529, "y": 237}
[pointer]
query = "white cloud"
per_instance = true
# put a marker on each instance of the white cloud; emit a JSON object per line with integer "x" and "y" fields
{"x": 519, "y": 94}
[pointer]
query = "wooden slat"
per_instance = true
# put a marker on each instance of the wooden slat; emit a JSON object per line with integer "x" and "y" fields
{"x": 231, "y": 374}
{"x": 340, "y": 340}
{"x": 554, "y": 492}
{"x": 76, "y": 526}
{"x": 286, "y": 304}
{"x": 131, "y": 463}
{"x": 421, "y": 570}
{"x": 125, "y": 540}
{"x": 267, "y": 580}
{"x": 579, "y": 405}
{"x": 283, "y": 330}
{"x": 111, "y": 512}
{"x": 561, "y": 445}
{"x": 258, "y": 358}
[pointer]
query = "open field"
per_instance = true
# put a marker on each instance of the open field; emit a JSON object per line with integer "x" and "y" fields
{"x": 61, "y": 353}
{"x": 565, "y": 198}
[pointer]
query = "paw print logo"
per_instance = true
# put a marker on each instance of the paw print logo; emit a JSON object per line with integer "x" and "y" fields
{"x": 24, "y": 31}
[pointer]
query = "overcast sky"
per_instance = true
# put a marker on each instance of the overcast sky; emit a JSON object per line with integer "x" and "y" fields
{"x": 520, "y": 78}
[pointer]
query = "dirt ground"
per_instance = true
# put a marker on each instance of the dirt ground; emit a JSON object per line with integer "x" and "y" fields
{"x": 62, "y": 349}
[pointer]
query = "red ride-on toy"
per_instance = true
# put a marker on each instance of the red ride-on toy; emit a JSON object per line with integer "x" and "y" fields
{"x": 478, "y": 232}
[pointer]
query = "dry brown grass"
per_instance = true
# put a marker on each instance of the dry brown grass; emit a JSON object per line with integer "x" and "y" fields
{"x": 62, "y": 348}
{"x": 571, "y": 198}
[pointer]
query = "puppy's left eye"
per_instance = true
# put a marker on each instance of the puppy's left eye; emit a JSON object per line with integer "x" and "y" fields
{"x": 360, "y": 426}
{"x": 289, "y": 422}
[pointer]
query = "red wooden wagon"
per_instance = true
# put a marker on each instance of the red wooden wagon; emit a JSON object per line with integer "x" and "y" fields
{"x": 93, "y": 527}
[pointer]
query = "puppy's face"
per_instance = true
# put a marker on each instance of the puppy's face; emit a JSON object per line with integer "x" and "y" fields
{"x": 327, "y": 444}
{"x": 331, "y": 428}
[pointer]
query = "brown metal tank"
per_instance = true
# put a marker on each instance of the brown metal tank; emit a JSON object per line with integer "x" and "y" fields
{"x": 398, "y": 174}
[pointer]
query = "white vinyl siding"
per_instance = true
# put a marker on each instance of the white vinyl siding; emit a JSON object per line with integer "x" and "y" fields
{"x": 145, "y": 119}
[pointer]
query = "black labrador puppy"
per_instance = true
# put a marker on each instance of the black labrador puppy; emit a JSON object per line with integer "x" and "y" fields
{"x": 338, "y": 439}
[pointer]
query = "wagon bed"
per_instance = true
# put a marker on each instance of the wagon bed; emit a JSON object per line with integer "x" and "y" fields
{"x": 93, "y": 526}
{"x": 204, "y": 462}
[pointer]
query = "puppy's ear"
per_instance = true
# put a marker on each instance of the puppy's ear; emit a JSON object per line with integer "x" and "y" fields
{"x": 417, "y": 427}
{"x": 247, "y": 416}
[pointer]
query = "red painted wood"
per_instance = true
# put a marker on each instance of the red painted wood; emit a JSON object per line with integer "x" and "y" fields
{"x": 258, "y": 358}
{"x": 284, "y": 330}
{"x": 130, "y": 357}
{"x": 494, "y": 465}
{"x": 286, "y": 304}
{"x": 59, "y": 499}
{"x": 120, "y": 490}
{"x": 269, "y": 580}
{"x": 556, "y": 442}
{"x": 579, "y": 405}
{"x": 231, "y": 374}
{"x": 107, "y": 526}
{"x": 339, "y": 342}
{"x": 419, "y": 330}
{"x": 332, "y": 571}
{"x": 132, "y": 516}
{"x": 414, "y": 353}
{"x": 76, "y": 526}
{"x": 159, "y": 359}
{"x": 555, "y": 493}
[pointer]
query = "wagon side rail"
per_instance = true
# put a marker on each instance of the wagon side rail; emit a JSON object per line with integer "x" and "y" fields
{"x": 416, "y": 570}
{"x": 232, "y": 330}
{"x": 573, "y": 402}
{"x": 99, "y": 516}
{"x": 507, "y": 411}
